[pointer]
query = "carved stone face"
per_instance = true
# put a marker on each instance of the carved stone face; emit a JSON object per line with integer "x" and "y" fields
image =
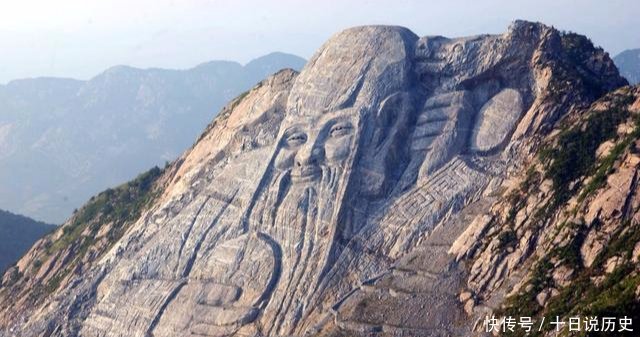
{"x": 309, "y": 147}
{"x": 335, "y": 114}
{"x": 297, "y": 210}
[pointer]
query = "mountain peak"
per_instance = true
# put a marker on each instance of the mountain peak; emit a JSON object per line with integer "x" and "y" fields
{"x": 628, "y": 62}
{"x": 275, "y": 61}
{"x": 325, "y": 202}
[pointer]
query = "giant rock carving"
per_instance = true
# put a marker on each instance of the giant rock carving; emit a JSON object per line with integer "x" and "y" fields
{"x": 319, "y": 184}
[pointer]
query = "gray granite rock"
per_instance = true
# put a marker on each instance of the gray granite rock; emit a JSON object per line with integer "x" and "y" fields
{"x": 326, "y": 202}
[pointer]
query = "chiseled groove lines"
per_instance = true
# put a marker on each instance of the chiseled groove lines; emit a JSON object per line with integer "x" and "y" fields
{"x": 174, "y": 293}
{"x": 189, "y": 265}
{"x": 185, "y": 237}
{"x": 196, "y": 250}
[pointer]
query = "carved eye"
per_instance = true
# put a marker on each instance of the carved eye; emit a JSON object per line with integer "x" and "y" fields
{"x": 340, "y": 129}
{"x": 297, "y": 138}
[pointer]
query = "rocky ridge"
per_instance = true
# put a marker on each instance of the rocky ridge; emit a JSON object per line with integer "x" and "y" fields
{"x": 564, "y": 240}
{"x": 326, "y": 203}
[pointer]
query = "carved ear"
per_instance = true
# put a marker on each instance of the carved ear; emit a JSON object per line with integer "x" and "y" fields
{"x": 496, "y": 120}
{"x": 385, "y": 151}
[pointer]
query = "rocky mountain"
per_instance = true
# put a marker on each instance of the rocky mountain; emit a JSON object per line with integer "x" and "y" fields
{"x": 63, "y": 140}
{"x": 563, "y": 239}
{"x": 17, "y": 234}
{"x": 350, "y": 199}
{"x": 629, "y": 64}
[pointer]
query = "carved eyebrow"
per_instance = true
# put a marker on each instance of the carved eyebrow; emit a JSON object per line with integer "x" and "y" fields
{"x": 295, "y": 135}
{"x": 291, "y": 130}
{"x": 341, "y": 124}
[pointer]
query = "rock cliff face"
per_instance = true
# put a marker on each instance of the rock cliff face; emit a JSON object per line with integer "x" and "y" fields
{"x": 326, "y": 202}
{"x": 564, "y": 239}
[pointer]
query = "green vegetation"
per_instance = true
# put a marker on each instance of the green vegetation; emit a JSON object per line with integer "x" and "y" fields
{"x": 507, "y": 239}
{"x": 13, "y": 276}
{"x": 54, "y": 282}
{"x": 621, "y": 245}
{"x": 572, "y": 75}
{"x": 116, "y": 207}
{"x": 517, "y": 198}
{"x": 570, "y": 254}
{"x": 615, "y": 296}
{"x": 574, "y": 155}
{"x": 575, "y": 45}
{"x": 525, "y": 304}
{"x": 605, "y": 166}
{"x": 567, "y": 162}
{"x": 578, "y": 49}
{"x": 238, "y": 100}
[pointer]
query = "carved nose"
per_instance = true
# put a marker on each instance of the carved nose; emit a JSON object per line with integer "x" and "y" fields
{"x": 311, "y": 155}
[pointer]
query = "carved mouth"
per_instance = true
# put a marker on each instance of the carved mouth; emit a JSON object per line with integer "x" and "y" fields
{"x": 305, "y": 174}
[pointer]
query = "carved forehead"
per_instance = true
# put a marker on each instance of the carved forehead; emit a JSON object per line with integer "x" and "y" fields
{"x": 355, "y": 68}
{"x": 313, "y": 121}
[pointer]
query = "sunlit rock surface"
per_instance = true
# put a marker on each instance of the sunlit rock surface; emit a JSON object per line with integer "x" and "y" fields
{"x": 325, "y": 202}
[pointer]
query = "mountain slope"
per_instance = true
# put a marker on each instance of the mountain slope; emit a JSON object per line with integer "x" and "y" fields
{"x": 629, "y": 64}
{"x": 320, "y": 203}
{"x": 563, "y": 241}
{"x": 62, "y": 141}
{"x": 17, "y": 234}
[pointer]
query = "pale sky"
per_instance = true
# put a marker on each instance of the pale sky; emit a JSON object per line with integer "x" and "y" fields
{"x": 81, "y": 38}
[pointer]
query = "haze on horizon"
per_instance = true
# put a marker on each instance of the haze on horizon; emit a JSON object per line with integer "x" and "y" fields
{"x": 80, "y": 38}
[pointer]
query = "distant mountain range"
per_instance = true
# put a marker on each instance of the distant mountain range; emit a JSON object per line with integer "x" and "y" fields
{"x": 63, "y": 140}
{"x": 628, "y": 62}
{"x": 17, "y": 234}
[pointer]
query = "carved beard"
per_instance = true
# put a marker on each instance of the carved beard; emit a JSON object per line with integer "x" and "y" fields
{"x": 299, "y": 217}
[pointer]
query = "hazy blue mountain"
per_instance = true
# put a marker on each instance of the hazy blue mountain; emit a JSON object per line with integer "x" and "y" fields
{"x": 628, "y": 62}
{"x": 17, "y": 234}
{"x": 63, "y": 140}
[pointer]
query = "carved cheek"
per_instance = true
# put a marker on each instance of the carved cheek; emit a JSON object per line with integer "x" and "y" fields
{"x": 284, "y": 159}
{"x": 337, "y": 150}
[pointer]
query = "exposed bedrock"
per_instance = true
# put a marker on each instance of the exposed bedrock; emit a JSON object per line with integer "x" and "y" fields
{"x": 325, "y": 202}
